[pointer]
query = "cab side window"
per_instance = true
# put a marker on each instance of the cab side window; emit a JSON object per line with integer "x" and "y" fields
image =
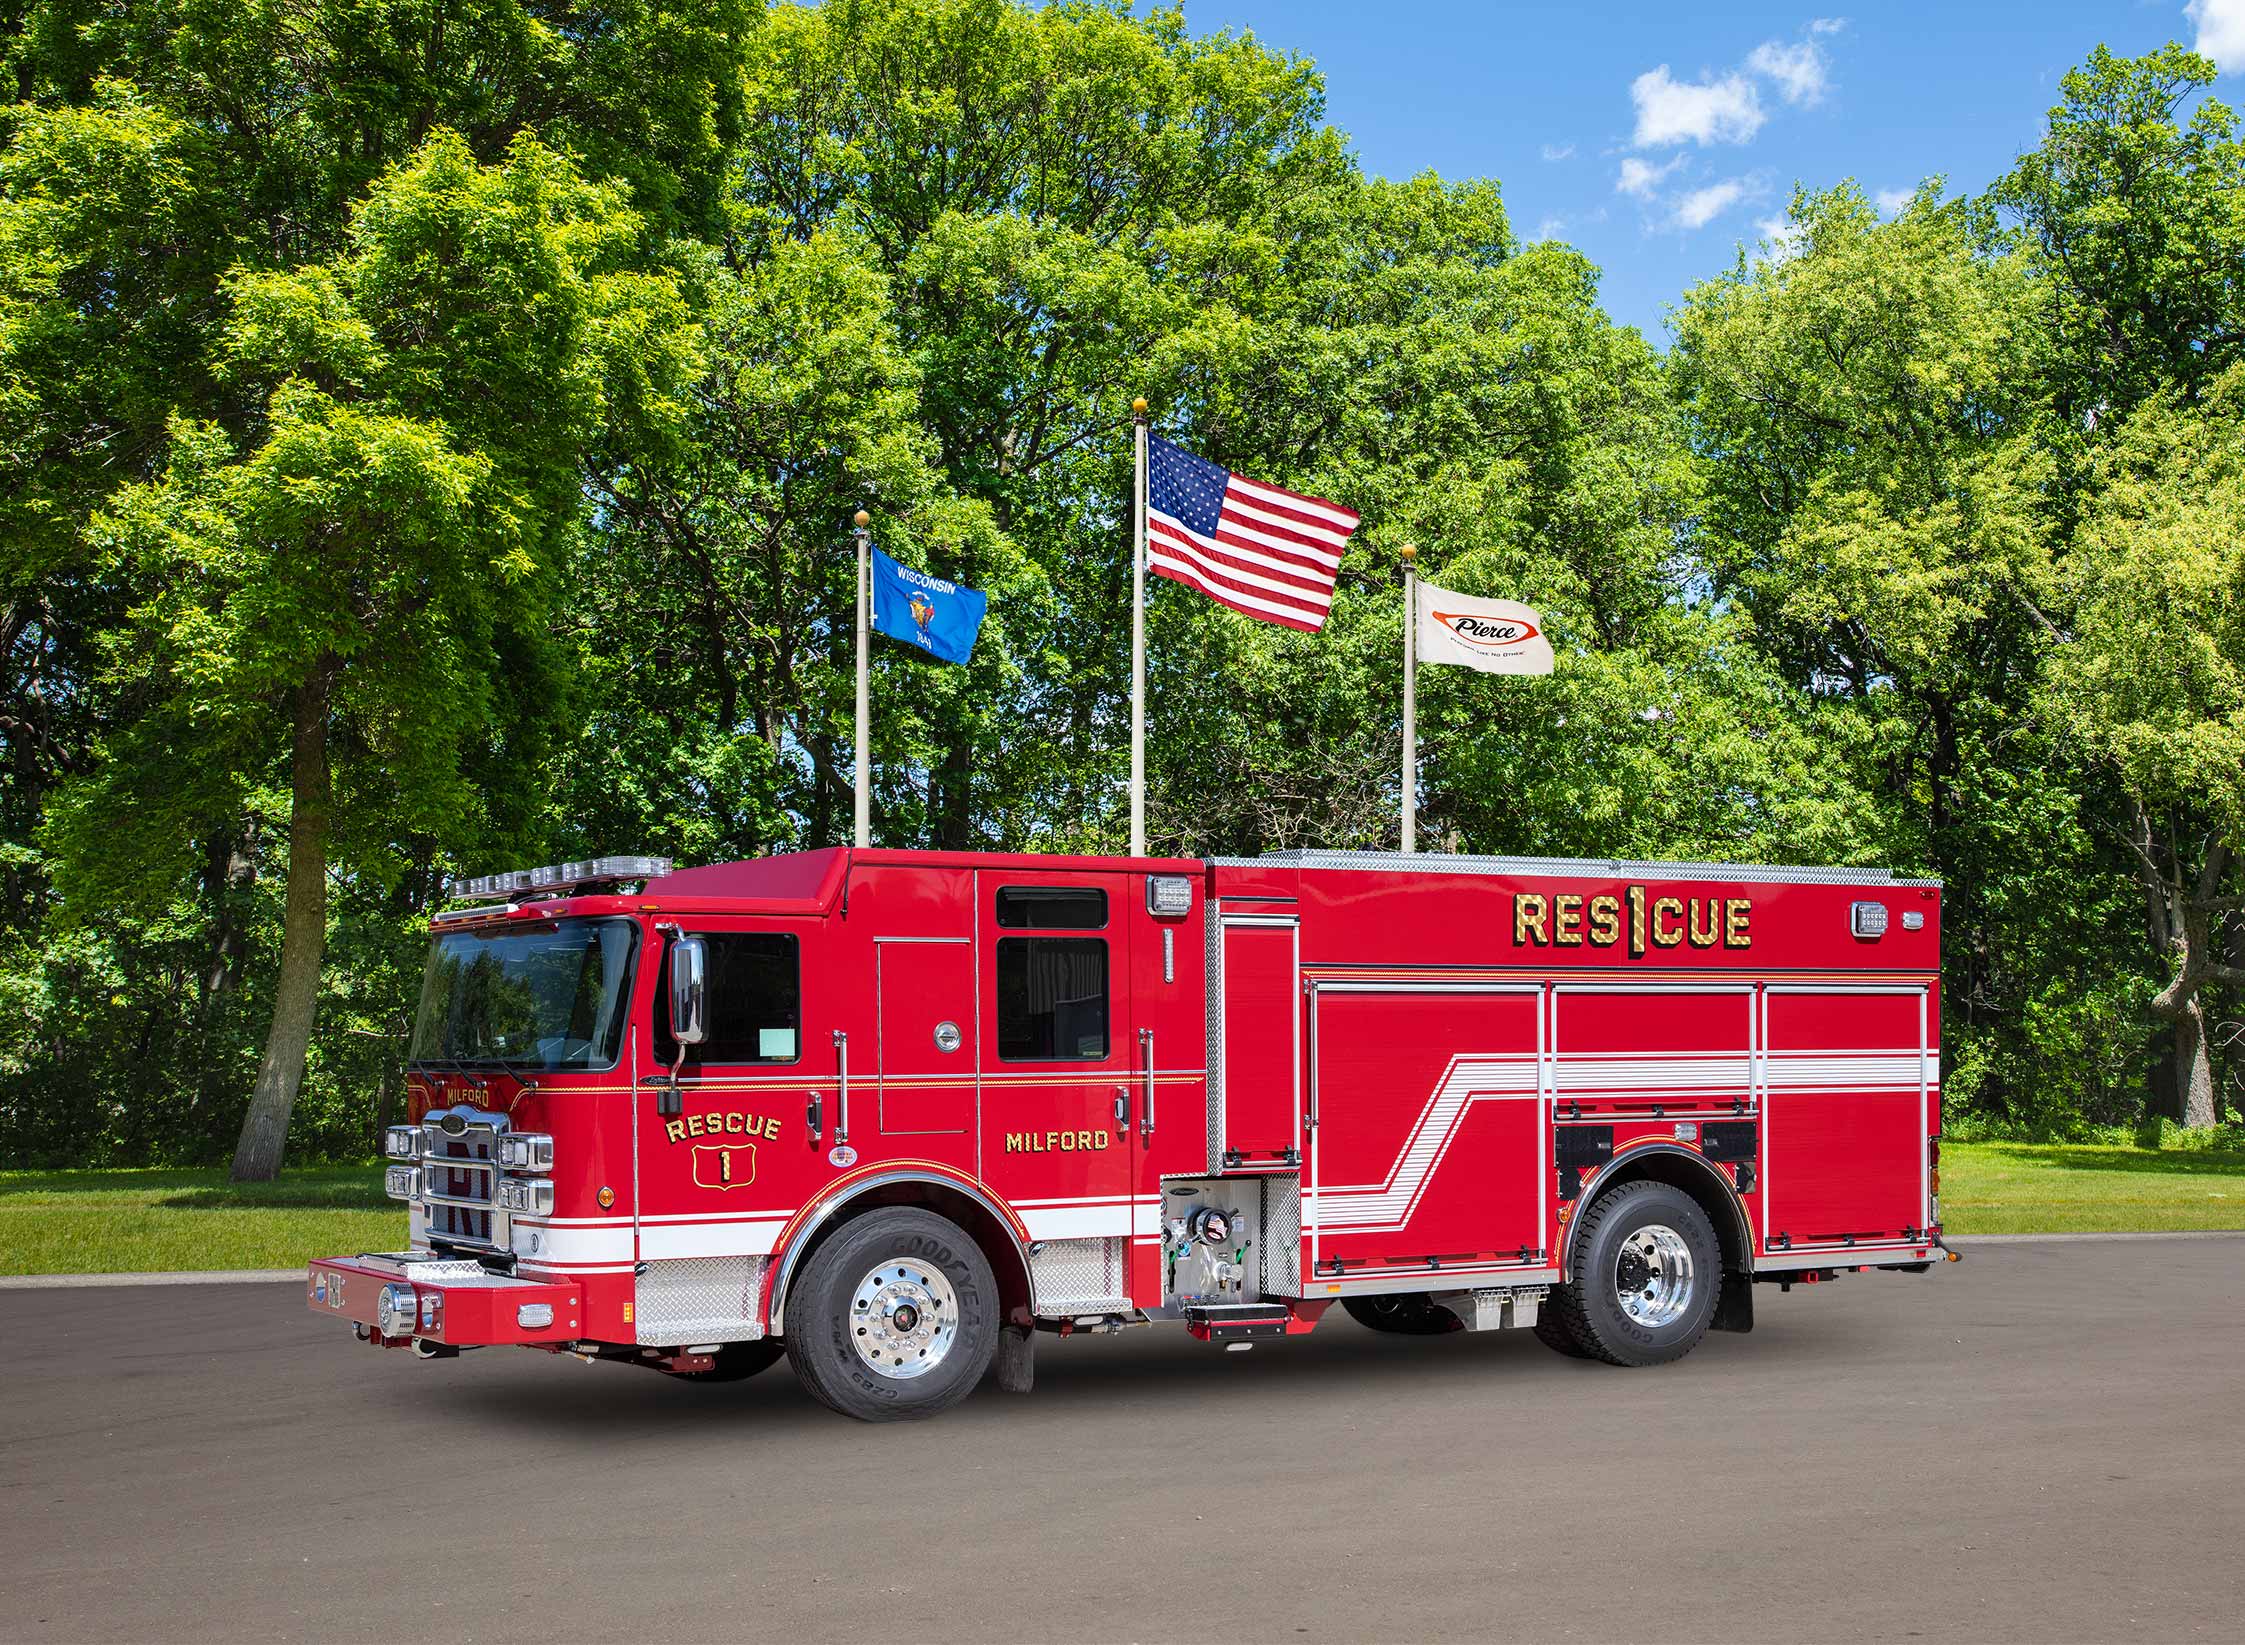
{"x": 755, "y": 1001}
{"x": 1052, "y": 990}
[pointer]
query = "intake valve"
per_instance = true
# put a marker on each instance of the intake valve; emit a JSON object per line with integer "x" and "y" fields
{"x": 1209, "y": 1225}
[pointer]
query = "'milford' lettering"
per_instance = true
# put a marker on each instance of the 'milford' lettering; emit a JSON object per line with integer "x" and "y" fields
{"x": 1055, "y": 1142}
{"x": 1571, "y": 921}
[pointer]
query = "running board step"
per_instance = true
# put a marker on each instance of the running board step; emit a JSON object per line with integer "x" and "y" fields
{"x": 1211, "y": 1320}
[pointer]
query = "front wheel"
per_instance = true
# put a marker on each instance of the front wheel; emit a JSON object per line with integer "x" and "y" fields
{"x": 895, "y": 1316}
{"x": 1648, "y": 1274}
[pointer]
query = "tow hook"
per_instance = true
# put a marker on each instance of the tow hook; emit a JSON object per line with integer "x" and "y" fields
{"x": 423, "y": 1348}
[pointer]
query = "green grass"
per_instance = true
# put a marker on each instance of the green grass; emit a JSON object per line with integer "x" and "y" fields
{"x": 98, "y": 1222}
{"x": 93, "y": 1222}
{"x": 2050, "y": 1188}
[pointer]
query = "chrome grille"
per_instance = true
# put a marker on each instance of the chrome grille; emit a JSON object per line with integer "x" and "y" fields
{"x": 459, "y": 1178}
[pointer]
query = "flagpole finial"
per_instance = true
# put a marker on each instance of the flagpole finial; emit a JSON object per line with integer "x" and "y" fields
{"x": 861, "y": 519}
{"x": 1138, "y": 409}
{"x": 1408, "y": 552}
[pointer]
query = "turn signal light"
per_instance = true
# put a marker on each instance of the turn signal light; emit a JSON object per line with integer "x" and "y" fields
{"x": 402, "y": 1182}
{"x": 401, "y": 1141}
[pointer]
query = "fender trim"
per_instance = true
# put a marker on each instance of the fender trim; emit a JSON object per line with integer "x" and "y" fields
{"x": 812, "y": 1219}
{"x": 1626, "y": 1156}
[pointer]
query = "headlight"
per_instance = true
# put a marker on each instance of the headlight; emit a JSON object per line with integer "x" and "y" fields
{"x": 533, "y": 1199}
{"x": 401, "y": 1141}
{"x": 525, "y": 1151}
{"x": 394, "y": 1311}
{"x": 402, "y": 1182}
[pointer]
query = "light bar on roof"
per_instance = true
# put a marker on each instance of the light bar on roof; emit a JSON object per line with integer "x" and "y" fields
{"x": 561, "y": 876}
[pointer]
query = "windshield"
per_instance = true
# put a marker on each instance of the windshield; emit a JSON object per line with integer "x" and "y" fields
{"x": 553, "y": 996}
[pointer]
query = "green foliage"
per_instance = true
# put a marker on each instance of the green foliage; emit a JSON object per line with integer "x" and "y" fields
{"x": 508, "y": 373}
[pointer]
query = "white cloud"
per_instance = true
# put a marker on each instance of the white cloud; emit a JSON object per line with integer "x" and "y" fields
{"x": 1797, "y": 69}
{"x": 1552, "y": 228}
{"x": 2221, "y": 32}
{"x": 1784, "y": 237}
{"x": 1891, "y": 200}
{"x": 1670, "y": 111}
{"x": 1696, "y": 208}
{"x": 1641, "y": 177}
{"x": 1559, "y": 151}
{"x": 1826, "y": 25}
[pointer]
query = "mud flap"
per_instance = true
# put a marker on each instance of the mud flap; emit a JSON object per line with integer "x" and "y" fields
{"x": 1015, "y": 1363}
{"x": 1734, "y": 1310}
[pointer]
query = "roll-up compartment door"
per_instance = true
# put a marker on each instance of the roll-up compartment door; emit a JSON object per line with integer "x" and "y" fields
{"x": 1844, "y": 1130}
{"x": 1259, "y": 1077}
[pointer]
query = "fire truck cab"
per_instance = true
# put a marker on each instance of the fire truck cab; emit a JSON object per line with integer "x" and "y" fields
{"x": 894, "y": 1113}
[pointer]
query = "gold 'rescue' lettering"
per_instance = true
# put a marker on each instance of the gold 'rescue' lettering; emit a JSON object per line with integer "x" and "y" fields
{"x": 1056, "y": 1142}
{"x": 732, "y": 1123}
{"x": 1566, "y": 920}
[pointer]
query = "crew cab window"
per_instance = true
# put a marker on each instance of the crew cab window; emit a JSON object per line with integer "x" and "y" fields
{"x": 1051, "y": 908}
{"x": 755, "y": 1001}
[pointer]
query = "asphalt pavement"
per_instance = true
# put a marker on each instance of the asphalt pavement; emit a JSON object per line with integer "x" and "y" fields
{"x": 2042, "y": 1443}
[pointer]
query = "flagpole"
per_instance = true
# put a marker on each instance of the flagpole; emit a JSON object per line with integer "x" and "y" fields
{"x": 1410, "y": 699}
{"x": 1138, "y": 635}
{"x": 864, "y": 783}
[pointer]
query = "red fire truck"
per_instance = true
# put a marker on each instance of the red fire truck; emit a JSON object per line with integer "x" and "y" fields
{"x": 894, "y": 1113}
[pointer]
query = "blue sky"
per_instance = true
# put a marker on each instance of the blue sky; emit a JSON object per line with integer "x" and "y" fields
{"x": 1657, "y": 137}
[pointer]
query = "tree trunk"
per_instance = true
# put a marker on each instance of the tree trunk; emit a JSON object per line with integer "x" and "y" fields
{"x": 2194, "y": 1067}
{"x": 303, "y": 942}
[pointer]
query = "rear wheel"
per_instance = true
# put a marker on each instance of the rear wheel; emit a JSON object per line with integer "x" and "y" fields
{"x": 895, "y": 1316}
{"x": 738, "y": 1361}
{"x": 1648, "y": 1274}
{"x": 1403, "y": 1314}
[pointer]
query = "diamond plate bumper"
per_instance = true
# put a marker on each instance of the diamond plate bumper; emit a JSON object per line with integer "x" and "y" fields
{"x": 472, "y": 1308}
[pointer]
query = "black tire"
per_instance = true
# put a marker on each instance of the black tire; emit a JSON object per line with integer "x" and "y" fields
{"x": 1587, "y": 1314}
{"x": 738, "y": 1361}
{"x": 1403, "y": 1314}
{"x": 1553, "y": 1333}
{"x": 931, "y": 1256}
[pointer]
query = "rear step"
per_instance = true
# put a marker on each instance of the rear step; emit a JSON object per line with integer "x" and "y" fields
{"x": 1211, "y": 1321}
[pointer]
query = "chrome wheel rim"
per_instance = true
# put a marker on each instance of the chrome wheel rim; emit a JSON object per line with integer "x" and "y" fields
{"x": 1653, "y": 1275}
{"x": 904, "y": 1316}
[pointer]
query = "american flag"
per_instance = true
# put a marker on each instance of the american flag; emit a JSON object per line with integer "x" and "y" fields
{"x": 1258, "y": 548}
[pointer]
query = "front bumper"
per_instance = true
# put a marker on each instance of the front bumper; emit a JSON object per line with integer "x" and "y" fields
{"x": 455, "y": 1303}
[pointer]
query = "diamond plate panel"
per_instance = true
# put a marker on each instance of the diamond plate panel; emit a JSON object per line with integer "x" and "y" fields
{"x": 1282, "y": 1236}
{"x": 684, "y": 1300}
{"x": 1080, "y": 1276}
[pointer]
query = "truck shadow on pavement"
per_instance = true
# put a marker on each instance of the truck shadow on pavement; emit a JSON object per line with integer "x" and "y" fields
{"x": 1094, "y": 1374}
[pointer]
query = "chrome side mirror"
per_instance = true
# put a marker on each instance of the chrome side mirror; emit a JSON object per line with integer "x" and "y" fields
{"x": 689, "y": 1013}
{"x": 689, "y": 982}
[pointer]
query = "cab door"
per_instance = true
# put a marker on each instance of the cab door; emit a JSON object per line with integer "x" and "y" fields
{"x": 1061, "y": 1084}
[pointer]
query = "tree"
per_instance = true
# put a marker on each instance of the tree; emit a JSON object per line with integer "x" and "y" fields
{"x": 2152, "y": 679}
{"x": 2132, "y": 222}
{"x": 356, "y": 575}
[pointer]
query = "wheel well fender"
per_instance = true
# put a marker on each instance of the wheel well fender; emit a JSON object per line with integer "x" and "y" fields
{"x": 1690, "y": 1173}
{"x": 970, "y": 1207}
